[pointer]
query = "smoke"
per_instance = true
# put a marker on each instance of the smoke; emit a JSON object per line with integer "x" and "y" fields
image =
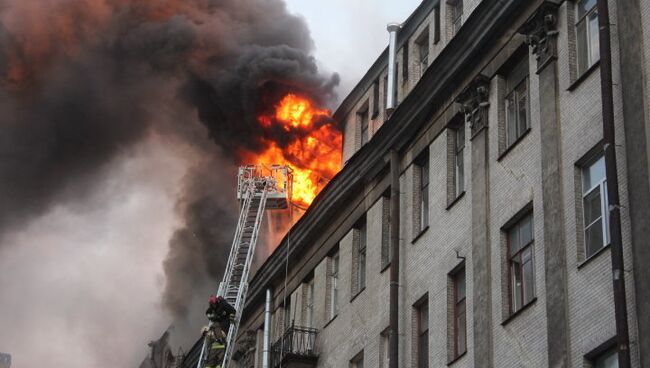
{"x": 83, "y": 82}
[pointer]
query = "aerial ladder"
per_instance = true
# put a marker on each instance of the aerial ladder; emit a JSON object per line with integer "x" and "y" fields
{"x": 259, "y": 188}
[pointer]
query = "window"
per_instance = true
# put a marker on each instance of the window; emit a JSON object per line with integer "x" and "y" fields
{"x": 375, "y": 99}
{"x": 422, "y": 338}
{"x": 459, "y": 321}
{"x": 357, "y": 361}
{"x": 587, "y": 34}
{"x": 421, "y": 184}
{"x": 521, "y": 263}
{"x": 309, "y": 303}
{"x": 594, "y": 204}
{"x": 459, "y": 159}
{"x": 456, "y": 8}
{"x": 608, "y": 359}
{"x": 516, "y": 102}
{"x": 362, "y": 117}
{"x": 423, "y": 51}
{"x": 405, "y": 62}
{"x": 386, "y": 93}
{"x": 385, "y": 231}
{"x": 384, "y": 352}
{"x": 359, "y": 257}
{"x": 436, "y": 30}
{"x": 286, "y": 314}
{"x": 334, "y": 285}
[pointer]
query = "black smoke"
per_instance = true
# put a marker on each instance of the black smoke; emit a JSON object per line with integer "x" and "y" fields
{"x": 83, "y": 81}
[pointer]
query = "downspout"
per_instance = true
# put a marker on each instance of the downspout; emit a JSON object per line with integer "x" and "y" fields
{"x": 266, "y": 351}
{"x": 609, "y": 147}
{"x": 394, "y": 260}
{"x": 392, "y": 45}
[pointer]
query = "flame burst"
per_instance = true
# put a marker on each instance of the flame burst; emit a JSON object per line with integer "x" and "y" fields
{"x": 314, "y": 152}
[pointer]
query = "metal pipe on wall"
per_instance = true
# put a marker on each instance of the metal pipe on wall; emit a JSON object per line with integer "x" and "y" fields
{"x": 266, "y": 348}
{"x": 392, "y": 45}
{"x": 394, "y": 260}
{"x": 618, "y": 269}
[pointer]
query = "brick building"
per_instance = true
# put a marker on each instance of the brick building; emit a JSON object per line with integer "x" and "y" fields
{"x": 504, "y": 255}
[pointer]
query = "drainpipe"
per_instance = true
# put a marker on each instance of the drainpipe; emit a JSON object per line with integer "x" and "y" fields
{"x": 618, "y": 269}
{"x": 267, "y": 331}
{"x": 390, "y": 89}
{"x": 394, "y": 260}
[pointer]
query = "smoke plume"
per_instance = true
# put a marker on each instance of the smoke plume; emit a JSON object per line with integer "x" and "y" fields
{"x": 85, "y": 81}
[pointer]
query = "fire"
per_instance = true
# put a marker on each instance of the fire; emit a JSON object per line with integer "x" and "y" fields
{"x": 314, "y": 153}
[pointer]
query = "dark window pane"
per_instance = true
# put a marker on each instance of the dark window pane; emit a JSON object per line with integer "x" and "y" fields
{"x": 594, "y": 238}
{"x": 423, "y": 351}
{"x": 522, "y": 108}
{"x": 528, "y": 272}
{"x": 516, "y": 296}
{"x": 607, "y": 360}
{"x": 583, "y": 62}
{"x": 460, "y": 286}
{"x": 513, "y": 240}
{"x": 461, "y": 329}
{"x": 592, "y": 206}
{"x": 526, "y": 230}
{"x": 511, "y": 119}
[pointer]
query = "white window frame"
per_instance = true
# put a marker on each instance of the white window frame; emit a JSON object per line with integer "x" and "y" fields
{"x": 334, "y": 287}
{"x": 587, "y": 40}
{"x": 604, "y": 200}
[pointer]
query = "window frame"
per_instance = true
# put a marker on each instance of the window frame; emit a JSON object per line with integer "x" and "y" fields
{"x": 360, "y": 249}
{"x": 309, "y": 303}
{"x": 601, "y": 186}
{"x": 363, "y": 117}
{"x": 591, "y": 59}
{"x": 334, "y": 275}
{"x": 422, "y": 334}
{"x": 424, "y": 172}
{"x": 436, "y": 30}
{"x": 522, "y": 248}
{"x": 459, "y": 160}
{"x": 422, "y": 43}
{"x": 457, "y": 303}
{"x": 354, "y": 362}
{"x": 457, "y": 10}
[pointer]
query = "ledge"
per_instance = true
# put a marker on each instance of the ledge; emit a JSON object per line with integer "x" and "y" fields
{"x": 452, "y": 203}
{"x": 514, "y": 144}
{"x": 514, "y": 315}
{"x": 384, "y": 267}
{"x": 584, "y": 76}
{"x": 330, "y": 321}
{"x": 420, "y": 234}
{"x": 593, "y": 256}
{"x": 357, "y": 294}
{"x": 451, "y": 362}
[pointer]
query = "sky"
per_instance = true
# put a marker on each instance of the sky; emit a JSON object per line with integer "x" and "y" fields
{"x": 62, "y": 273}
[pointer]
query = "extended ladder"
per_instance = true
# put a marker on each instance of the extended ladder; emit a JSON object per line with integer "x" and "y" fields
{"x": 259, "y": 188}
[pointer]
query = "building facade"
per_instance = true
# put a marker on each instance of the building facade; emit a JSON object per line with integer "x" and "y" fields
{"x": 504, "y": 255}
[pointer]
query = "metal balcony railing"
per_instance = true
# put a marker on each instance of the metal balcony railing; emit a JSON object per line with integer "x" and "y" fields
{"x": 297, "y": 342}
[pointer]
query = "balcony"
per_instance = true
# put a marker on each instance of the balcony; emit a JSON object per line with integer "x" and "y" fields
{"x": 296, "y": 349}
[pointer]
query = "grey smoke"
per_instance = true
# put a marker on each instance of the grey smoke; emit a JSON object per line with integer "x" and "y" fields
{"x": 75, "y": 95}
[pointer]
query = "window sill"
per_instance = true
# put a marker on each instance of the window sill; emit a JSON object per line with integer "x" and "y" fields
{"x": 515, "y": 143}
{"x": 451, "y": 362}
{"x": 584, "y": 76}
{"x": 452, "y": 203}
{"x": 385, "y": 267}
{"x": 518, "y": 312}
{"x": 420, "y": 234}
{"x": 357, "y": 294}
{"x": 595, "y": 255}
{"x": 330, "y": 321}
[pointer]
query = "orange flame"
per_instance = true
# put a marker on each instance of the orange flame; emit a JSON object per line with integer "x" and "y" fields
{"x": 315, "y": 153}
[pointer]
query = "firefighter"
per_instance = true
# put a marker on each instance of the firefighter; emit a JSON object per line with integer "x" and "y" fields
{"x": 220, "y": 312}
{"x": 216, "y": 341}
